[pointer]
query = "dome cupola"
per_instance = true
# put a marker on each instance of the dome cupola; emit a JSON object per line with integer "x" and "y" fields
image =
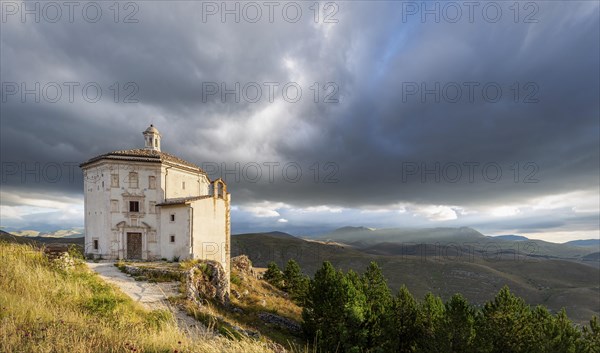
{"x": 152, "y": 138}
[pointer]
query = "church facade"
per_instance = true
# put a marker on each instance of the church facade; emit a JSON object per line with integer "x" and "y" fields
{"x": 146, "y": 204}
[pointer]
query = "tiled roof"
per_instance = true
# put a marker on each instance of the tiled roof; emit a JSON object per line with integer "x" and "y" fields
{"x": 143, "y": 155}
{"x": 182, "y": 200}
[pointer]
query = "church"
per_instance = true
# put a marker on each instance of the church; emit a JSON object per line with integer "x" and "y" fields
{"x": 145, "y": 204}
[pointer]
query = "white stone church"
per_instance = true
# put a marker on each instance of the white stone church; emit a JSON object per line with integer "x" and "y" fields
{"x": 146, "y": 204}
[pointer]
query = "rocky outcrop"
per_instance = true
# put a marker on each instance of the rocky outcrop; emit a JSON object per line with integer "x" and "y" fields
{"x": 243, "y": 265}
{"x": 207, "y": 280}
{"x": 280, "y": 321}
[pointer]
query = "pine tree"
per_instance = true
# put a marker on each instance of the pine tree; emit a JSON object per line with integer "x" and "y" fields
{"x": 321, "y": 314}
{"x": 458, "y": 329}
{"x": 505, "y": 326}
{"x": 431, "y": 318}
{"x": 353, "y": 332}
{"x": 334, "y": 312}
{"x": 406, "y": 322}
{"x": 561, "y": 334}
{"x": 295, "y": 283}
{"x": 274, "y": 275}
{"x": 378, "y": 320}
{"x": 589, "y": 341}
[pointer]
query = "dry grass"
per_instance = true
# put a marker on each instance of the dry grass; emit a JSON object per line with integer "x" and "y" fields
{"x": 262, "y": 296}
{"x": 43, "y": 309}
{"x": 256, "y": 296}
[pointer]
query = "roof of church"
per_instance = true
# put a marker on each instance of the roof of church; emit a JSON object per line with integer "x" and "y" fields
{"x": 143, "y": 155}
{"x": 151, "y": 128}
{"x": 182, "y": 200}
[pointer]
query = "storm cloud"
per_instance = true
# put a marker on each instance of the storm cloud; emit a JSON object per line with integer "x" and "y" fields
{"x": 410, "y": 113}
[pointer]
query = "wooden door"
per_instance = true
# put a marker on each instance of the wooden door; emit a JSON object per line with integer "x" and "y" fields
{"x": 134, "y": 245}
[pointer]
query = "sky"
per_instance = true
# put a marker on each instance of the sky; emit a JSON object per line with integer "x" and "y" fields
{"x": 317, "y": 114}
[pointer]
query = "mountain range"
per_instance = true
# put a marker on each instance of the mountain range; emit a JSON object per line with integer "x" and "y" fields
{"x": 61, "y": 233}
{"x": 446, "y": 261}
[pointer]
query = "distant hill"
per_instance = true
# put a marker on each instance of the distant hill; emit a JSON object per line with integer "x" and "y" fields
{"x": 349, "y": 229}
{"x": 25, "y": 233}
{"x": 61, "y": 233}
{"x": 39, "y": 241}
{"x": 595, "y": 256}
{"x": 424, "y": 267}
{"x": 272, "y": 234}
{"x": 585, "y": 243}
{"x": 511, "y": 237}
{"x": 371, "y": 236}
{"x": 402, "y": 241}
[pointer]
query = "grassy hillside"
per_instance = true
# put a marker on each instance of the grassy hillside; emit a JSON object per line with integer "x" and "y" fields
{"x": 554, "y": 283}
{"x": 594, "y": 243}
{"x": 465, "y": 237}
{"x": 46, "y": 309}
{"x": 251, "y": 300}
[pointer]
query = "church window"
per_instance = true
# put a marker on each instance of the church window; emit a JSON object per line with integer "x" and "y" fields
{"x": 134, "y": 206}
{"x": 173, "y": 217}
{"x": 183, "y": 185}
{"x": 172, "y": 238}
{"x": 95, "y": 241}
{"x": 152, "y": 182}
{"x": 114, "y": 206}
{"x": 114, "y": 180}
{"x": 133, "y": 180}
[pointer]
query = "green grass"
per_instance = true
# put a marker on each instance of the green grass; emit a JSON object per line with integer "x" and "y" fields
{"x": 235, "y": 279}
{"x": 43, "y": 309}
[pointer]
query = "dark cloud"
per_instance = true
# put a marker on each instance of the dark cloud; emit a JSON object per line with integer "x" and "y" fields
{"x": 546, "y": 119}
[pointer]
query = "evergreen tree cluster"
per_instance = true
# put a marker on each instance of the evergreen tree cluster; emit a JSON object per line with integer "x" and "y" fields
{"x": 290, "y": 280}
{"x": 347, "y": 312}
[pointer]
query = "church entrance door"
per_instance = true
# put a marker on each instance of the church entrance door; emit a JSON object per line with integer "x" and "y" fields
{"x": 134, "y": 245}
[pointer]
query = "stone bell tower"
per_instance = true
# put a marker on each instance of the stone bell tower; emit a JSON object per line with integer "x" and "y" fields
{"x": 152, "y": 138}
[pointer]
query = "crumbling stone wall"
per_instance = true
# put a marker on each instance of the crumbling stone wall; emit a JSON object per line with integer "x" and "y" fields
{"x": 176, "y": 275}
{"x": 59, "y": 257}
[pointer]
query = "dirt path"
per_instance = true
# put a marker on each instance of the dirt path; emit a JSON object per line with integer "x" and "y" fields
{"x": 153, "y": 296}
